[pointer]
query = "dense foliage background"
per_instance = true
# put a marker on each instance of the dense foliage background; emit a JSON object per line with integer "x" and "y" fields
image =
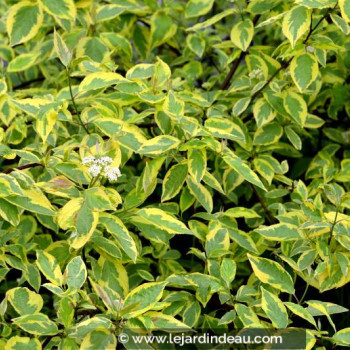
{"x": 173, "y": 164}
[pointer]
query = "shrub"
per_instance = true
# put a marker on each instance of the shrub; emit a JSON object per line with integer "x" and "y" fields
{"x": 173, "y": 165}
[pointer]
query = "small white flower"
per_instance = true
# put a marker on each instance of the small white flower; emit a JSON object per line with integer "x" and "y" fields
{"x": 104, "y": 161}
{"x": 256, "y": 73}
{"x": 112, "y": 173}
{"x": 310, "y": 49}
{"x": 286, "y": 73}
{"x": 95, "y": 169}
{"x": 88, "y": 160}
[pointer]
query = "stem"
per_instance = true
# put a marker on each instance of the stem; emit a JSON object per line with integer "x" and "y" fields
{"x": 27, "y": 166}
{"x": 236, "y": 63}
{"x": 332, "y": 228}
{"x": 232, "y": 71}
{"x": 286, "y": 64}
{"x": 74, "y": 104}
{"x": 283, "y": 66}
{"x": 304, "y": 295}
{"x": 318, "y": 23}
{"x": 94, "y": 180}
{"x": 264, "y": 206}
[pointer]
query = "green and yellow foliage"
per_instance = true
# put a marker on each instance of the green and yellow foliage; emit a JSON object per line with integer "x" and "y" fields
{"x": 173, "y": 165}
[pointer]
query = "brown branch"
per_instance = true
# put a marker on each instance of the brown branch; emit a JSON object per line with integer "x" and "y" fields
{"x": 27, "y": 166}
{"x": 264, "y": 206}
{"x": 232, "y": 71}
{"x": 286, "y": 64}
{"x": 283, "y": 66}
{"x": 236, "y": 63}
{"x": 318, "y": 23}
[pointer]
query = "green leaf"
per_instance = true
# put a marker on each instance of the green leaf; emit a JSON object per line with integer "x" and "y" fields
{"x": 301, "y": 312}
{"x": 280, "y": 232}
{"x": 241, "y": 212}
{"x": 341, "y": 23}
{"x": 322, "y": 309}
{"x": 45, "y": 123}
{"x": 201, "y": 194}
{"x": 86, "y": 221}
{"x": 99, "y": 339}
{"x": 162, "y": 28}
{"x": 225, "y": 128}
{"x": 316, "y": 4}
{"x": 268, "y": 134}
{"x": 49, "y": 267}
{"x": 76, "y": 273}
{"x": 33, "y": 200}
{"x": 272, "y": 273}
{"x": 247, "y": 316}
{"x": 159, "y": 145}
{"x": 263, "y": 112}
{"x": 243, "y": 240}
{"x": 228, "y": 270}
{"x": 37, "y": 324}
{"x": 112, "y": 275}
{"x": 296, "y": 23}
{"x": 62, "y": 51}
{"x": 140, "y": 71}
{"x": 196, "y": 8}
{"x": 345, "y": 9}
{"x": 173, "y": 180}
{"x": 197, "y": 163}
{"x": 142, "y": 298}
{"x": 173, "y": 106}
{"x": 17, "y": 342}
{"x": 274, "y": 309}
{"x": 212, "y": 20}
{"x": 162, "y": 220}
{"x": 196, "y": 44}
{"x": 242, "y": 34}
{"x": 166, "y": 322}
{"x": 293, "y": 137}
{"x": 83, "y": 328}
{"x": 63, "y": 9}
{"x": 240, "y": 106}
{"x": 24, "y": 301}
{"x": 342, "y": 337}
{"x": 23, "y": 22}
{"x": 120, "y": 233}
{"x": 100, "y": 80}
{"x": 22, "y": 62}
{"x": 217, "y": 239}
{"x": 108, "y": 12}
{"x": 304, "y": 70}
{"x": 296, "y": 107}
{"x": 243, "y": 169}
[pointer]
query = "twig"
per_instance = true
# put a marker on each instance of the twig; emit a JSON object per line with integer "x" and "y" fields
{"x": 286, "y": 64}
{"x": 266, "y": 210}
{"x": 332, "y": 228}
{"x": 232, "y": 71}
{"x": 74, "y": 104}
{"x": 236, "y": 63}
{"x": 318, "y": 23}
{"x": 283, "y": 66}
{"x": 304, "y": 294}
{"x": 27, "y": 166}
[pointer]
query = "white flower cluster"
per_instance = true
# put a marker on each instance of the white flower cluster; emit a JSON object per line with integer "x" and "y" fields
{"x": 310, "y": 49}
{"x": 101, "y": 165}
{"x": 256, "y": 73}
